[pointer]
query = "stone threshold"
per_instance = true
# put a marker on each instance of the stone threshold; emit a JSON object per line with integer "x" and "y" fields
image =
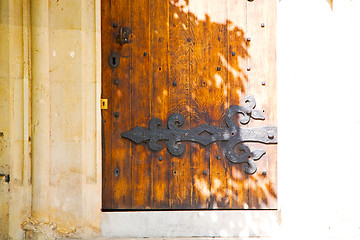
{"x": 229, "y": 224}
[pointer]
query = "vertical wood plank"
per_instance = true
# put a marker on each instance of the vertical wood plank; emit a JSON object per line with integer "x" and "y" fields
{"x": 256, "y": 64}
{"x": 237, "y": 77}
{"x": 159, "y": 55}
{"x": 180, "y": 176}
{"x": 259, "y": 197}
{"x": 106, "y": 115}
{"x": 271, "y": 99}
{"x": 217, "y": 101}
{"x": 140, "y": 102}
{"x": 121, "y": 85}
{"x": 199, "y": 80}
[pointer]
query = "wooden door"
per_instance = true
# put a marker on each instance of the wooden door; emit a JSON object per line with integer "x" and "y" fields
{"x": 194, "y": 58}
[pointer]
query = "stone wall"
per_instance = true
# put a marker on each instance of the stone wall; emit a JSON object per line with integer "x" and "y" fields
{"x": 15, "y": 117}
{"x": 50, "y": 87}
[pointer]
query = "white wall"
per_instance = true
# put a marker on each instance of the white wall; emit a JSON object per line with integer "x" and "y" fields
{"x": 319, "y": 118}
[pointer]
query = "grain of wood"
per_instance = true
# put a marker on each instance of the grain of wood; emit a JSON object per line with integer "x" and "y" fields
{"x": 180, "y": 175}
{"x": 271, "y": 86}
{"x": 238, "y": 88}
{"x": 257, "y": 63}
{"x": 140, "y": 103}
{"x": 159, "y": 71}
{"x": 121, "y": 92}
{"x": 259, "y": 194}
{"x": 216, "y": 102}
{"x": 199, "y": 95}
{"x": 106, "y": 41}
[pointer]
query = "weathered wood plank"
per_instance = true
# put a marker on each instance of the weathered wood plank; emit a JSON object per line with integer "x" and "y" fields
{"x": 256, "y": 63}
{"x": 140, "y": 102}
{"x": 159, "y": 71}
{"x": 107, "y": 193}
{"x": 271, "y": 99}
{"x": 180, "y": 175}
{"x": 120, "y": 113}
{"x": 237, "y": 77}
{"x": 259, "y": 197}
{"x": 216, "y": 104}
{"x": 199, "y": 53}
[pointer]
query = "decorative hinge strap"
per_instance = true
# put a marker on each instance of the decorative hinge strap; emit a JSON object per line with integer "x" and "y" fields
{"x": 233, "y": 134}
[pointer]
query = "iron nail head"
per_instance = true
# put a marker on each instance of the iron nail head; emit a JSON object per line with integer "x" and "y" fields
{"x": 271, "y": 134}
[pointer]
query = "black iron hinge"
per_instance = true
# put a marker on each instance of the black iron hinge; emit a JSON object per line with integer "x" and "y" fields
{"x": 234, "y": 135}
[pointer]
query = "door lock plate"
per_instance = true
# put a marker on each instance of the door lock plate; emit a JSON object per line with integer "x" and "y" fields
{"x": 104, "y": 103}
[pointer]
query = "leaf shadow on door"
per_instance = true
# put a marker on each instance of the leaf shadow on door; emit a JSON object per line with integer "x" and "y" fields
{"x": 217, "y": 79}
{"x": 193, "y": 62}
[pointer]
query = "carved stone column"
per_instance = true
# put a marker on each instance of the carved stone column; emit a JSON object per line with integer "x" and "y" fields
{"x": 40, "y": 109}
